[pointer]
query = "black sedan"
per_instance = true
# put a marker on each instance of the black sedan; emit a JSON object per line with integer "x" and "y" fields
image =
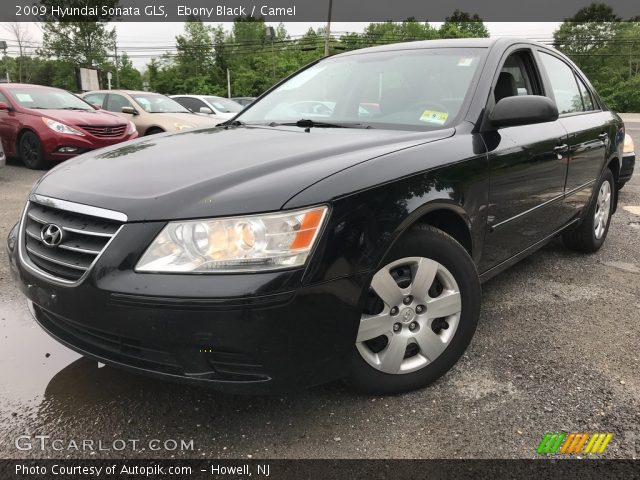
{"x": 279, "y": 251}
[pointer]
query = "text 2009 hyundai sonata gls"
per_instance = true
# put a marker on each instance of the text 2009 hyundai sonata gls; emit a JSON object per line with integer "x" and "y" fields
{"x": 340, "y": 227}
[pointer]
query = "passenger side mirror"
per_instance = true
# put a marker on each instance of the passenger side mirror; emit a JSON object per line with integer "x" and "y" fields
{"x": 96, "y": 107}
{"x": 523, "y": 110}
{"x": 206, "y": 110}
{"x": 5, "y": 107}
{"x": 129, "y": 110}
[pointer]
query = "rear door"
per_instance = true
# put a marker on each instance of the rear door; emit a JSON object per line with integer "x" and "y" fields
{"x": 528, "y": 167}
{"x": 586, "y": 124}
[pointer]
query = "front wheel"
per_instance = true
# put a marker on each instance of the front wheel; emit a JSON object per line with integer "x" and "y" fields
{"x": 591, "y": 233}
{"x": 420, "y": 315}
{"x": 30, "y": 150}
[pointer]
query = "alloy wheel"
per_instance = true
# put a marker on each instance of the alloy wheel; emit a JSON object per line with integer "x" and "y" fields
{"x": 411, "y": 317}
{"x": 603, "y": 206}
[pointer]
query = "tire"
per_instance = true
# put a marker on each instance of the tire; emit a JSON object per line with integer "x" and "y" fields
{"x": 592, "y": 232}
{"x": 437, "y": 261}
{"x": 30, "y": 151}
{"x": 153, "y": 131}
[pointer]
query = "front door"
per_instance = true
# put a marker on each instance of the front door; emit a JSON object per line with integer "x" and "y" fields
{"x": 528, "y": 165}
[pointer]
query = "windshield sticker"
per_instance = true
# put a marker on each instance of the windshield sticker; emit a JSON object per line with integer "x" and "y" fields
{"x": 24, "y": 97}
{"x": 430, "y": 116}
{"x": 465, "y": 62}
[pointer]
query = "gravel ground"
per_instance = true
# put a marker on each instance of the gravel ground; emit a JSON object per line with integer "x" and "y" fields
{"x": 556, "y": 350}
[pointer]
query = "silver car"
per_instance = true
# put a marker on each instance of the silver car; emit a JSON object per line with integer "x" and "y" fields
{"x": 218, "y": 108}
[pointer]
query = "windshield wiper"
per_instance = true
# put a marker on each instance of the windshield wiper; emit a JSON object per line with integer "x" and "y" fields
{"x": 308, "y": 123}
{"x": 75, "y": 108}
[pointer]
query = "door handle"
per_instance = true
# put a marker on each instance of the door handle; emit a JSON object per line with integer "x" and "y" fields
{"x": 561, "y": 149}
{"x": 603, "y": 137}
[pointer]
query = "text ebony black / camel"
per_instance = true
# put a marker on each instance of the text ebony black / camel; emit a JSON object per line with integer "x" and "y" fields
{"x": 339, "y": 227}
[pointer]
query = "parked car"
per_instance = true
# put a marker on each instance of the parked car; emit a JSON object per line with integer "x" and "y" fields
{"x": 150, "y": 112}
{"x": 628, "y": 161}
{"x": 244, "y": 101}
{"x": 280, "y": 252}
{"x": 42, "y": 125}
{"x": 218, "y": 108}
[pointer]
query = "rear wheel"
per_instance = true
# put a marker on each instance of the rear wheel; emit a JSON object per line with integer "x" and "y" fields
{"x": 592, "y": 232}
{"x": 30, "y": 151}
{"x": 421, "y": 313}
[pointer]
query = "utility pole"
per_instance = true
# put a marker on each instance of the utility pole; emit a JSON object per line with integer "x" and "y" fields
{"x": 117, "y": 67}
{"x": 327, "y": 32}
{"x": 271, "y": 35}
{"x": 228, "y": 83}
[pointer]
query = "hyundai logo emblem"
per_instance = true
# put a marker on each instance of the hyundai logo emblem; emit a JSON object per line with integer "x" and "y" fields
{"x": 51, "y": 235}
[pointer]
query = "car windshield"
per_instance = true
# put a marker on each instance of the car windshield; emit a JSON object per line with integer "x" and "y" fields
{"x": 155, "y": 103}
{"x": 224, "y": 105}
{"x": 408, "y": 89}
{"x": 48, "y": 99}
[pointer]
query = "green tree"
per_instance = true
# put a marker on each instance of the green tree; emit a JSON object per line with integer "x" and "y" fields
{"x": 129, "y": 76}
{"x": 607, "y": 50}
{"x": 463, "y": 25}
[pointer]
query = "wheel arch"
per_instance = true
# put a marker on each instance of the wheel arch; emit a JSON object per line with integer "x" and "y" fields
{"x": 614, "y": 166}
{"x": 449, "y": 217}
{"x": 21, "y": 132}
{"x": 152, "y": 128}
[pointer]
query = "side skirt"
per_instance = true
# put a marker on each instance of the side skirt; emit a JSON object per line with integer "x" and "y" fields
{"x": 492, "y": 272}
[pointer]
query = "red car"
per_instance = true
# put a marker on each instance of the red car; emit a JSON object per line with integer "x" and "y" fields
{"x": 44, "y": 124}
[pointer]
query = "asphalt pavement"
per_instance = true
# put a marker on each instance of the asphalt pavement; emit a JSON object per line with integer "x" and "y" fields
{"x": 556, "y": 350}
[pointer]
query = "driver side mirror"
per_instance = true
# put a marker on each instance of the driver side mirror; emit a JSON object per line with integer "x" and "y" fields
{"x": 96, "y": 107}
{"x": 5, "y": 107}
{"x": 129, "y": 110}
{"x": 206, "y": 110}
{"x": 523, "y": 110}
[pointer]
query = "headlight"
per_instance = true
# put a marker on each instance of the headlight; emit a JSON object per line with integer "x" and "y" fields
{"x": 183, "y": 126}
{"x": 235, "y": 244}
{"x": 628, "y": 144}
{"x": 61, "y": 127}
{"x": 132, "y": 127}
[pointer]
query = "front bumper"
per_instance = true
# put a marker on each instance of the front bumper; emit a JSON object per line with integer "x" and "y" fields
{"x": 52, "y": 143}
{"x": 258, "y": 333}
{"x": 626, "y": 167}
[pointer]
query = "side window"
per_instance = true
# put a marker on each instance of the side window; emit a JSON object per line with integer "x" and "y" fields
{"x": 192, "y": 104}
{"x": 563, "y": 84}
{"x": 3, "y": 99}
{"x": 517, "y": 77}
{"x": 587, "y": 100}
{"x": 116, "y": 102}
{"x": 95, "y": 99}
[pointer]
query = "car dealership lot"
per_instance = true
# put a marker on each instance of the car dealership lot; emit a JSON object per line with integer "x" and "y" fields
{"x": 556, "y": 350}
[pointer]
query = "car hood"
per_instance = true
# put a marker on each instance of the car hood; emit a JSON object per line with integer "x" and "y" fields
{"x": 217, "y": 171}
{"x": 168, "y": 119}
{"x": 78, "y": 117}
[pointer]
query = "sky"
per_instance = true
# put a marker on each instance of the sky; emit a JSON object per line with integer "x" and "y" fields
{"x": 139, "y": 38}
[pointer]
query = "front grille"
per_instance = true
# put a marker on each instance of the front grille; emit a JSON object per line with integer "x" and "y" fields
{"x": 104, "y": 130}
{"x": 82, "y": 239}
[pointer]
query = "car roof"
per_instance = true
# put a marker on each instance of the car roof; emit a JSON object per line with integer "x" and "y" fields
{"x": 27, "y": 85}
{"x": 442, "y": 43}
{"x": 195, "y": 96}
{"x": 128, "y": 92}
